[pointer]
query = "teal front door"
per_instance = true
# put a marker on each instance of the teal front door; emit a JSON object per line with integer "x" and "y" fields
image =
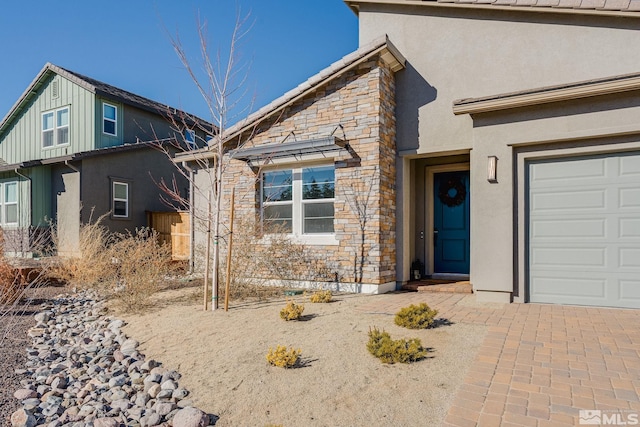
{"x": 451, "y": 222}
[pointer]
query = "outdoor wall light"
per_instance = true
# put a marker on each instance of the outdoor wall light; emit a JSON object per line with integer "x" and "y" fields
{"x": 492, "y": 164}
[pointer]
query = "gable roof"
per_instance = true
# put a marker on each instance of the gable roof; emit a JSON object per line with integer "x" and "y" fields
{"x": 627, "y": 8}
{"x": 99, "y": 88}
{"x": 383, "y": 46}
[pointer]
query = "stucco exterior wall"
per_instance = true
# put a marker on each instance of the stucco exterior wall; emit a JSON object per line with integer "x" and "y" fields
{"x": 143, "y": 169}
{"x": 454, "y": 54}
{"x": 589, "y": 126}
{"x": 362, "y": 101}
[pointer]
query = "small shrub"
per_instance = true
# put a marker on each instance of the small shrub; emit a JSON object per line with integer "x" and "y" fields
{"x": 321, "y": 296}
{"x": 292, "y": 311}
{"x": 394, "y": 351}
{"x": 283, "y": 357}
{"x": 416, "y": 317}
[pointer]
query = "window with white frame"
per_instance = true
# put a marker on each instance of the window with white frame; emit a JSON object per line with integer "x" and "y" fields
{"x": 55, "y": 127}
{"x": 120, "y": 204}
{"x": 299, "y": 201}
{"x": 109, "y": 119}
{"x": 9, "y": 203}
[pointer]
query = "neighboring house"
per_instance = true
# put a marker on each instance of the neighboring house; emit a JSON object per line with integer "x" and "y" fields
{"x": 73, "y": 149}
{"x": 507, "y": 139}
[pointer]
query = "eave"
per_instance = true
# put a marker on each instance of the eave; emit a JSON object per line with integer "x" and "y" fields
{"x": 545, "y": 95}
{"x": 502, "y": 6}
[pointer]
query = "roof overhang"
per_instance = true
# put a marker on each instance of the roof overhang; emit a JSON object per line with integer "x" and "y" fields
{"x": 545, "y": 95}
{"x": 288, "y": 152}
{"x": 504, "y": 5}
{"x": 382, "y": 46}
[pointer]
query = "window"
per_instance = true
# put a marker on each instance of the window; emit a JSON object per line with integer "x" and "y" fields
{"x": 55, "y": 127}
{"x": 299, "y": 200}
{"x": 190, "y": 138}
{"x": 109, "y": 119}
{"x": 120, "y": 206}
{"x": 9, "y": 203}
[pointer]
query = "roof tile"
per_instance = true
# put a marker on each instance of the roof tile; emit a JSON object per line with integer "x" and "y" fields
{"x": 616, "y": 5}
{"x": 591, "y": 4}
{"x": 634, "y": 6}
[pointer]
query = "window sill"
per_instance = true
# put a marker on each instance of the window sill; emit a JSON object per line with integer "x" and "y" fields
{"x": 53, "y": 147}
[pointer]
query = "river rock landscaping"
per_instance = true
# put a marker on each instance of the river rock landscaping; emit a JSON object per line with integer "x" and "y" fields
{"x": 82, "y": 370}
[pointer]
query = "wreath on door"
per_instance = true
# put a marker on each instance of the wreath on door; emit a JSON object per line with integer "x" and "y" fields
{"x": 452, "y": 192}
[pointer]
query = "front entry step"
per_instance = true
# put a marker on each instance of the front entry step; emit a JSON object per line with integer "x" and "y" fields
{"x": 431, "y": 285}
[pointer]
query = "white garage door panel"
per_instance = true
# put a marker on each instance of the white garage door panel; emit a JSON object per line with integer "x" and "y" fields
{"x": 584, "y": 230}
{"x": 579, "y": 228}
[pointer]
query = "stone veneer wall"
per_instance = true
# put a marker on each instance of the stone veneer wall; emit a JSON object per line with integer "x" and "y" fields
{"x": 362, "y": 101}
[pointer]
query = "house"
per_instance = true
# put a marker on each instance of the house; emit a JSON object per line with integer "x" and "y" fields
{"x": 73, "y": 149}
{"x": 500, "y": 141}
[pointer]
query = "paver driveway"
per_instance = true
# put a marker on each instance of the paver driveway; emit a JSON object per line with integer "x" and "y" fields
{"x": 539, "y": 364}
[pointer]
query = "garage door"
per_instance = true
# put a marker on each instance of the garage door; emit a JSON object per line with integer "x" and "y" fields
{"x": 584, "y": 230}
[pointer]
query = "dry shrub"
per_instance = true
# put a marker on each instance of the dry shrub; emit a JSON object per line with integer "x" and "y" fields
{"x": 292, "y": 311}
{"x": 394, "y": 351}
{"x": 92, "y": 268}
{"x": 10, "y": 283}
{"x": 321, "y": 296}
{"x": 283, "y": 357}
{"x": 140, "y": 264}
{"x": 128, "y": 267}
{"x": 416, "y": 316}
{"x": 265, "y": 261}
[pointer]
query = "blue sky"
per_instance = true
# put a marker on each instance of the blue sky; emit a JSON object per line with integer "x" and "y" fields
{"x": 125, "y": 43}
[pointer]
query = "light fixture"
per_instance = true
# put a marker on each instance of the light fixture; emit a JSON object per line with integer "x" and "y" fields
{"x": 492, "y": 165}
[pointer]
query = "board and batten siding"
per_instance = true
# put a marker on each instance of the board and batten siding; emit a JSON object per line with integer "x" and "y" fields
{"x": 23, "y": 140}
{"x": 102, "y": 139}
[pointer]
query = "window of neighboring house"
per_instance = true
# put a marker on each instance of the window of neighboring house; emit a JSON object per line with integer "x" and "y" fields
{"x": 190, "y": 138}
{"x": 299, "y": 201}
{"x": 120, "y": 205}
{"x": 9, "y": 203}
{"x": 109, "y": 119}
{"x": 55, "y": 127}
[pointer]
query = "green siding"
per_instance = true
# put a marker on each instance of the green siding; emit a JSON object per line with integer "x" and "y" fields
{"x": 103, "y": 140}
{"x": 40, "y": 195}
{"x": 23, "y": 139}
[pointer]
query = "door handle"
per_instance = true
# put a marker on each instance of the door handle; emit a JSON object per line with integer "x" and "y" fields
{"x": 435, "y": 237}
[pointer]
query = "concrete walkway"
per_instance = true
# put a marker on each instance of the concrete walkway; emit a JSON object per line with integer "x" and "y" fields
{"x": 540, "y": 365}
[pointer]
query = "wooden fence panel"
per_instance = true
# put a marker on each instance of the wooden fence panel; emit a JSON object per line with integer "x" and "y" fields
{"x": 174, "y": 229}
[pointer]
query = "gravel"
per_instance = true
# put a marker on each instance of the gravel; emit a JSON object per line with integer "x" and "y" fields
{"x": 14, "y": 324}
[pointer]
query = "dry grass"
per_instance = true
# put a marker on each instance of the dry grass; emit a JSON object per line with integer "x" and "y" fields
{"x": 127, "y": 267}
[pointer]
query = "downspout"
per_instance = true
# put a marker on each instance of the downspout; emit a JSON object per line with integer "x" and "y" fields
{"x": 191, "y": 217}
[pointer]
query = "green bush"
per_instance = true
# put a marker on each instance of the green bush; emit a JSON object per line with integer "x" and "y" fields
{"x": 283, "y": 357}
{"x": 394, "y": 351}
{"x": 416, "y": 317}
{"x": 292, "y": 311}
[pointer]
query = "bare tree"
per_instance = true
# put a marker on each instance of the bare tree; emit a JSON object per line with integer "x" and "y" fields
{"x": 206, "y": 144}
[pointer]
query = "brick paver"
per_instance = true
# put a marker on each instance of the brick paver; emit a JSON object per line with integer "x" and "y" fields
{"x": 539, "y": 364}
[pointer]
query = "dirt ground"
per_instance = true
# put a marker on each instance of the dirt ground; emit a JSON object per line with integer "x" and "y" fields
{"x": 222, "y": 357}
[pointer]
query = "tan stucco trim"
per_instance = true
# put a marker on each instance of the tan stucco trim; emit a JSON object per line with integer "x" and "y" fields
{"x": 355, "y": 7}
{"x": 547, "y": 95}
